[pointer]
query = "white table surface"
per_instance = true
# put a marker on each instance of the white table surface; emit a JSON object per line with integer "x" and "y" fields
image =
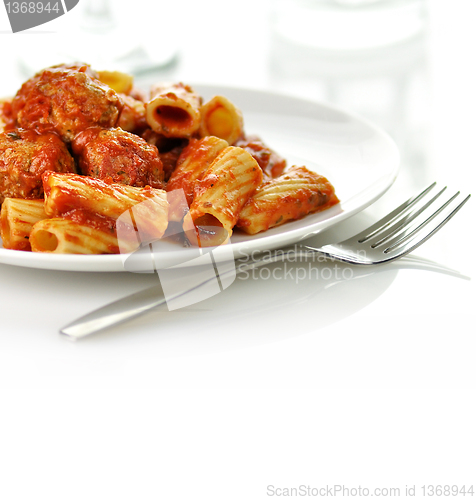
{"x": 364, "y": 382}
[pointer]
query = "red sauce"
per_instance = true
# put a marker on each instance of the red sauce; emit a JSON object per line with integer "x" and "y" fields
{"x": 270, "y": 162}
{"x": 91, "y": 219}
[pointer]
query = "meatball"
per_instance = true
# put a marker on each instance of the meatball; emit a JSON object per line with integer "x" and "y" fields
{"x": 21, "y": 96}
{"x": 118, "y": 156}
{"x": 24, "y": 156}
{"x": 66, "y": 100}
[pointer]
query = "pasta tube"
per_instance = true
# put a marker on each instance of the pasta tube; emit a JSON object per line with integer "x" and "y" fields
{"x": 220, "y": 195}
{"x": 122, "y": 83}
{"x": 193, "y": 162}
{"x": 291, "y": 196}
{"x": 220, "y": 117}
{"x": 174, "y": 110}
{"x": 16, "y": 221}
{"x": 61, "y": 235}
{"x": 66, "y": 192}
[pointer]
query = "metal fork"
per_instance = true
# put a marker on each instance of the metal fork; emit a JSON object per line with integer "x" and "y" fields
{"x": 400, "y": 232}
{"x": 397, "y": 234}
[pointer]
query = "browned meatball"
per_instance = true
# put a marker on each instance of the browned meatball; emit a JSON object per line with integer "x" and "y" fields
{"x": 21, "y": 96}
{"x": 24, "y": 156}
{"x": 118, "y": 156}
{"x": 66, "y": 100}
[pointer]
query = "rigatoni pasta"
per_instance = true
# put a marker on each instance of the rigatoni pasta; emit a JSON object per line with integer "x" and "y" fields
{"x": 121, "y": 82}
{"x": 221, "y": 118}
{"x": 174, "y": 110}
{"x": 291, "y": 196}
{"x": 220, "y": 195}
{"x": 191, "y": 165}
{"x": 64, "y": 193}
{"x": 67, "y": 192}
{"x": 17, "y": 219}
{"x": 63, "y": 235}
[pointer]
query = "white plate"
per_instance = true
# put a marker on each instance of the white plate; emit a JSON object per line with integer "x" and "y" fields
{"x": 359, "y": 159}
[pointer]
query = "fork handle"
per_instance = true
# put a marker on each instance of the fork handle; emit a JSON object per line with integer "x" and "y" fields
{"x": 115, "y": 312}
{"x": 138, "y": 303}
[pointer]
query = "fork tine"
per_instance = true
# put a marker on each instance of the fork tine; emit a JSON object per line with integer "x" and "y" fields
{"x": 426, "y": 229}
{"x": 399, "y": 226}
{"x": 388, "y": 220}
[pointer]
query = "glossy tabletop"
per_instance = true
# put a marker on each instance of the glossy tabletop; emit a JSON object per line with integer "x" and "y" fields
{"x": 299, "y": 377}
